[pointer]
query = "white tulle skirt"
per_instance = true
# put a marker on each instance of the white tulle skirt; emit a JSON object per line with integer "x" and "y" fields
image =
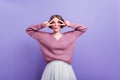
{"x": 58, "y": 70}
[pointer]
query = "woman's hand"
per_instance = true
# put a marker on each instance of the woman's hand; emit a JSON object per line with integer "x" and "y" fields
{"x": 46, "y": 24}
{"x": 59, "y": 22}
{"x": 51, "y": 23}
{"x": 67, "y": 23}
{"x": 64, "y": 23}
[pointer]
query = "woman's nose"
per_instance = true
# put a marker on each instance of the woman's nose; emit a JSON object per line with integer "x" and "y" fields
{"x": 56, "y": 23}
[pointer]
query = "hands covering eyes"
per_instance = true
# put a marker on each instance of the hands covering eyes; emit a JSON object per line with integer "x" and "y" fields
{"x": 59, "y": 23}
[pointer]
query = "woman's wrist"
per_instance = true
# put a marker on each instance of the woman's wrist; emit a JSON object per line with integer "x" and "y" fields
{"x": 67, "y": 23}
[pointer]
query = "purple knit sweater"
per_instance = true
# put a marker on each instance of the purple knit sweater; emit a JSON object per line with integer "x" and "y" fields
{"x": 54, "y": 49}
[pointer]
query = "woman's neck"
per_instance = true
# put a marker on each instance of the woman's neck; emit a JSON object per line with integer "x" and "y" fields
{"x": 57, "y": 33}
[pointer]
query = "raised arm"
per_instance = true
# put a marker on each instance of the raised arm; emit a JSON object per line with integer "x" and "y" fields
{"x": 78, "y": 29}
{"x": 33, "y": 30}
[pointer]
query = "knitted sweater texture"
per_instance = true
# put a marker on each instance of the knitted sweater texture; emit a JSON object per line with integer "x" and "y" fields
{"x": 54, "y": 49}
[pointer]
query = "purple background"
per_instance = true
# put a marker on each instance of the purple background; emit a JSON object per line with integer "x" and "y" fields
{"x": 97, "y": 52}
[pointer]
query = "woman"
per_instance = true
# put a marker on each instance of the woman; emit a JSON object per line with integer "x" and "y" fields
{"x": 57, "y": 47}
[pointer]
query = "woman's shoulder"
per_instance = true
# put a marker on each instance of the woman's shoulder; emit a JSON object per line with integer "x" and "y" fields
{"x": 68, "y": 32}
{"x": 43, "y": 32}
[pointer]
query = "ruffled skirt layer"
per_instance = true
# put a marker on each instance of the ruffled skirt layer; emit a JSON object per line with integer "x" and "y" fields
{"x": 58, "y": 70}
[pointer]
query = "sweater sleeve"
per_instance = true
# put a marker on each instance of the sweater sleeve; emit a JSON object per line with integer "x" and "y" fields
{"x": 33, "y": 30}
{"x": 78, "y": 29}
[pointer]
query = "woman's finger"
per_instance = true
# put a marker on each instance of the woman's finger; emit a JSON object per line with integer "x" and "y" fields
{"x": 51, "y": 21}
{"x": 61, "y": 24}
{"x": 60, "y": 21}
{"x": 51, "y": 24}
{"x": 67, "y": 23}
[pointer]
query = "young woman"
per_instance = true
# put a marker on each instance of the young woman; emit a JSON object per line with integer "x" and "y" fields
{"x": 57, "y": 47}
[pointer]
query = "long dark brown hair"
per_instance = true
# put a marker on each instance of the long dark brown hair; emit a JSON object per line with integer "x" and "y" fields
{"x": 57, "y": 16}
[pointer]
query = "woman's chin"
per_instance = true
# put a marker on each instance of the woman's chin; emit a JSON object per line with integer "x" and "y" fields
{"x": 56, "y": 30}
